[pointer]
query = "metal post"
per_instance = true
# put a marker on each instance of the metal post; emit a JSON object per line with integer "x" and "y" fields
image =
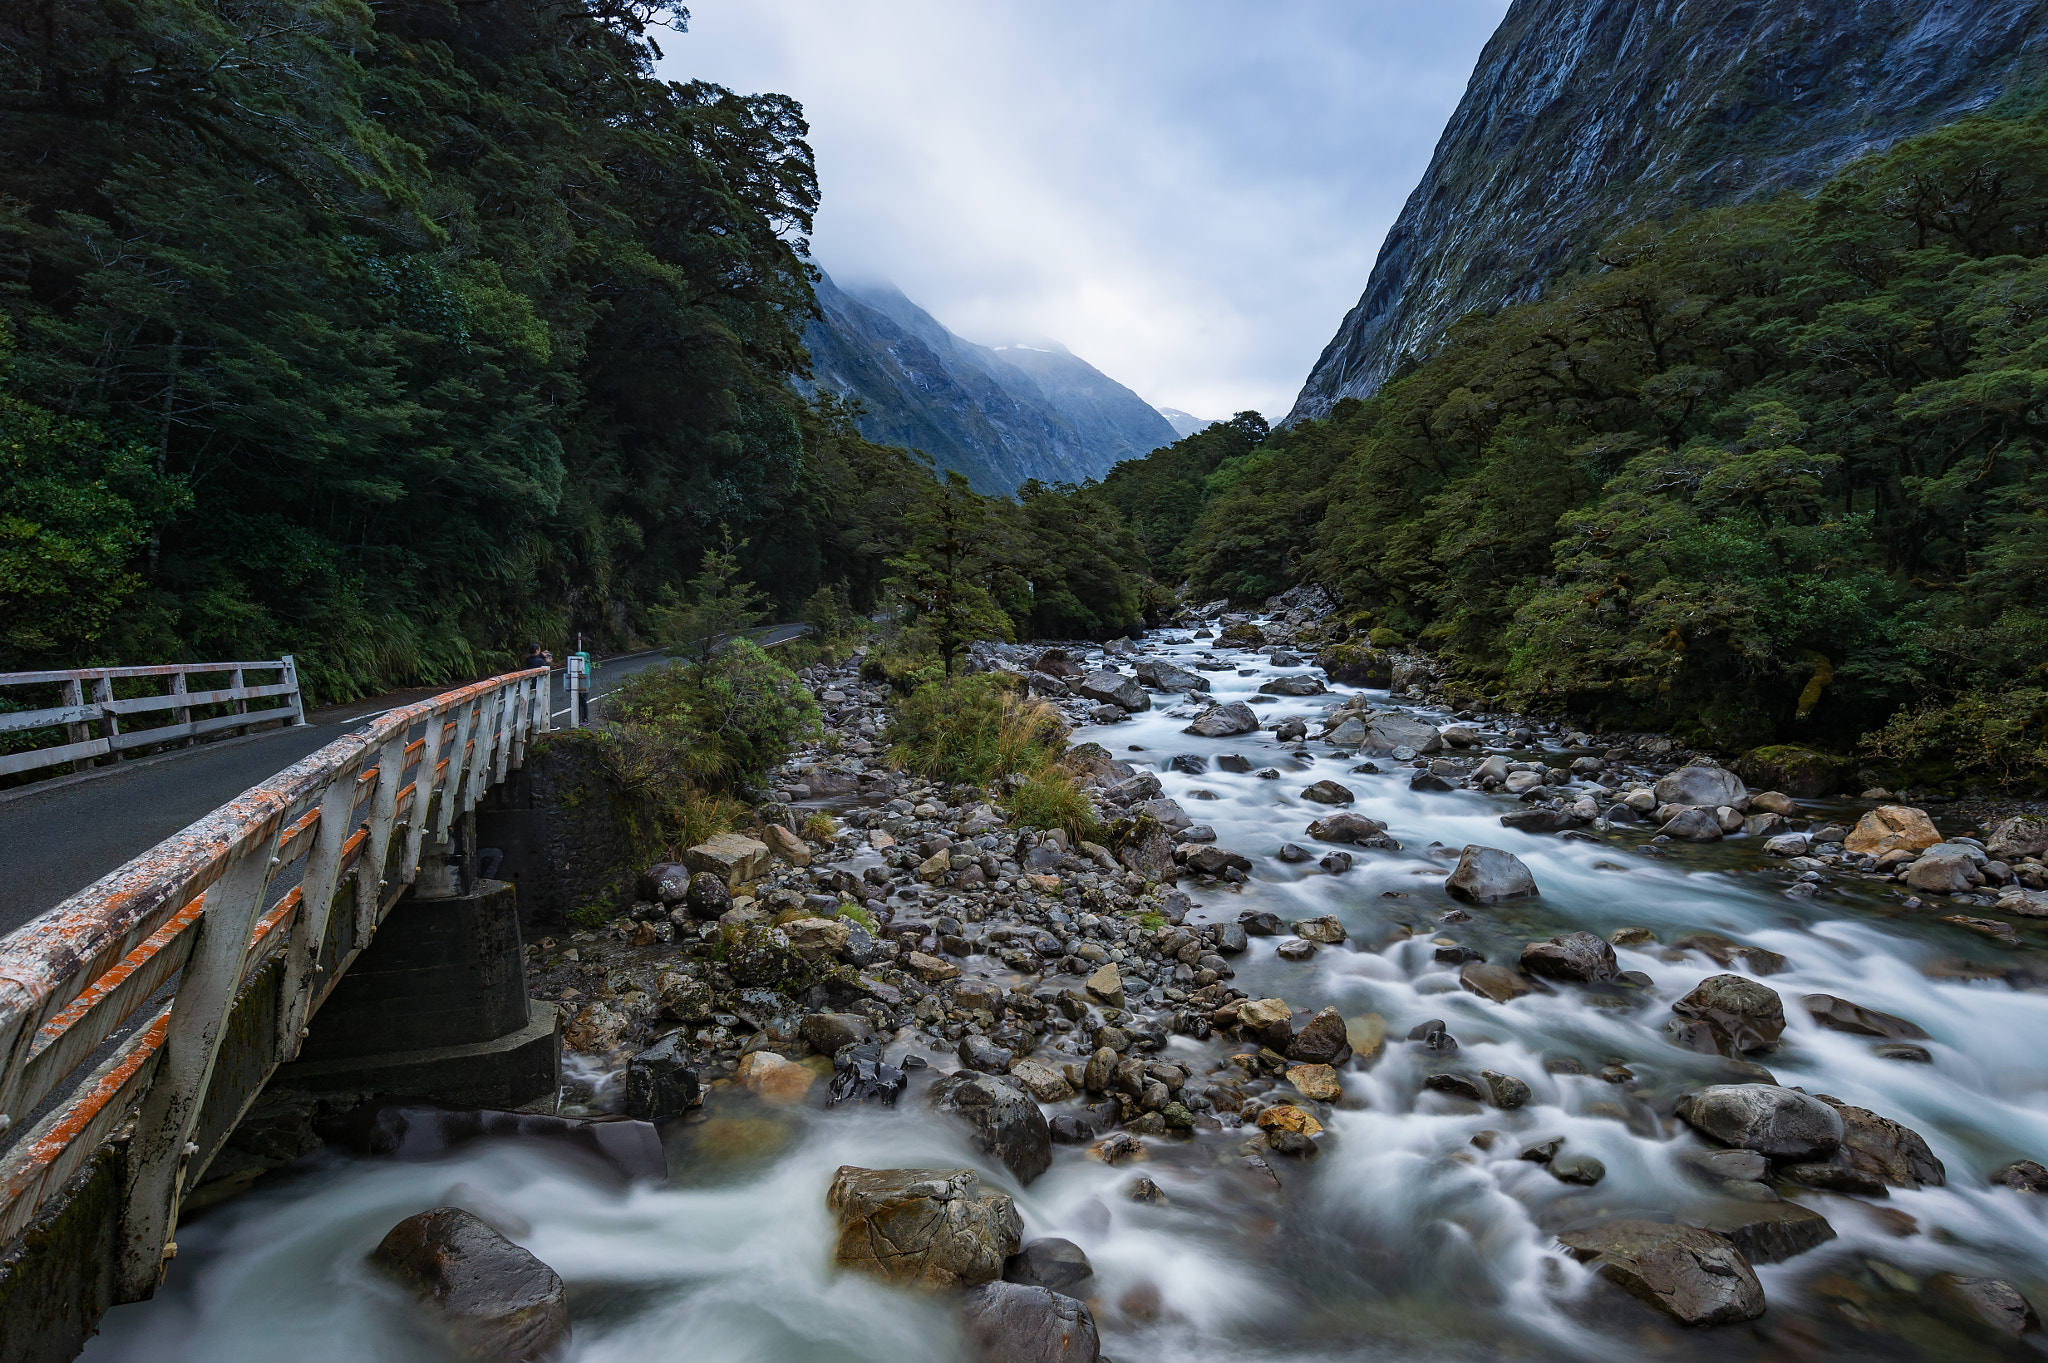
{"x": 290, "y": 677}
{"x": 161, "y": 1145}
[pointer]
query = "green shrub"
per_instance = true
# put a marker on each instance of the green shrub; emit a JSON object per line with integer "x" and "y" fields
{"x": 2002, "y": 735}
{"x": 973, "y": 729}
{"x": 722, "y": 723}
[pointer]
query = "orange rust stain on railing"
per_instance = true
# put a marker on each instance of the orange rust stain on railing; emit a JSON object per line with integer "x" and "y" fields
{"x": 112, "y": 979}
{"x": 81, "y": 1113}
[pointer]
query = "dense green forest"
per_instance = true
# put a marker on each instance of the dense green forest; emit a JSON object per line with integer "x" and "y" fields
{"x": 1768, "y": 471}
{"x": 399, "y": 335}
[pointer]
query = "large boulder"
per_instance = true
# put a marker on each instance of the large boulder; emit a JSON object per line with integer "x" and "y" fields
{"x": 1006, "y": 1122}
{"x": 1346, "y": 827}
{"x": 1991, "y": 1306}
{"x": 1357, "y": 665}
{"x": 1694, "y": 1276}
{"x": 1853, "y": 1018}
{"x": 1386, "y": 732}
{"x": 733, "y": 856}
{"x": 1882, "y": 1149}
{"x": 1730, "y": 1015}
{"x": 1322, "y": 1040}
{"x": 1301, "y": 684}
{"x": 710, "y": 897}
{"x": 1770, "y": 1232}
{"x": 1486, "y": 875}
{"x": 1702, "y": 787}
{"x": 667, "y": 882}
{"x": 1011, "y": 1323}
{"x": 491, "y": 1300}
{"x": 1941, "y": 870}
{"x": 1224, "y": 721}
{"x": 923, "y": 1227}
{"x": 1328, "y": 793}
{"x": 1726, "y": 951}
{"x": 659, "y": 1081}
{"x": 1779, "y": 1122}
{"x": 1892, "y": 828}
{"x": 1050, "y": 1262}
{"x": 1114, "y": 688}
{"x": 1693, "y": 825}
{"x": 1164, "y": 676}
{"x": 1579, "y": 957}
{"x": 1799, "y": 772}
{"x": 2023, "y": 835}
{"x": 861, "y": 1074}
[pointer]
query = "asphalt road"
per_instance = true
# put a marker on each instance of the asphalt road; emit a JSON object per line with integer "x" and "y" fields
{"x": 56, "y": 841}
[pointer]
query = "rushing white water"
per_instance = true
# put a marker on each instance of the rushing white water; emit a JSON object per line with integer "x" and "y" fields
{"x": 1404, "y": 1239}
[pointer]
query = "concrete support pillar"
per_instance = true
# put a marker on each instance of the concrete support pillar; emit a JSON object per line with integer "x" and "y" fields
{"x": 435, "y": 1007}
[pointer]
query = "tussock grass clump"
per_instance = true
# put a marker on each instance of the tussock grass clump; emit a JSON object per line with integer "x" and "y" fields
{"x": 981, "y": 729}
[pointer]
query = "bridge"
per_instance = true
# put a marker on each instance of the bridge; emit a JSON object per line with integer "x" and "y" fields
{"x": 140, "y": 1017}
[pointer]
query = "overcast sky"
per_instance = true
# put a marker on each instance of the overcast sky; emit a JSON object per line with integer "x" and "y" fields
{"x": 1189, "y": 194}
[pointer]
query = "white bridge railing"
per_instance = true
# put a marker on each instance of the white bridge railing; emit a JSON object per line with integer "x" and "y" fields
{"x": 87, "y": 702}
{"x": 352, "y": 822}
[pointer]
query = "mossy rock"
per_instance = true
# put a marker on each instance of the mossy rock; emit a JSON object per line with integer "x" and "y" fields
{"x": 1245, "y": 635}
{"x": 1382, "y": 637}
{"x": 1357, "y": 665}
{"x": 1802, "y": 773}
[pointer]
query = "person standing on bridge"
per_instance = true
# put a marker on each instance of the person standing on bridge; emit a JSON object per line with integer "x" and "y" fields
{"x": 536, "y": 656}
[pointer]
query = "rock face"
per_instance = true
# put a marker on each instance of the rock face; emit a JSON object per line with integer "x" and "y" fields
{"x": 495, "y": 1302}
{"x": 1224, "y": 721}
{"x": 1486, "y": 875}
{"x": 1730, "y": 1015}
{"x": 1772, "y": 1121}
{"x": 1006, "y": 1123}
{"x": 999, "y": 415}
{"x": 1011, "y": 1323}
{"x": 1580, "y": 118}
{"x": 1694, "y": 1276}
{"x": 923, "y": 1227}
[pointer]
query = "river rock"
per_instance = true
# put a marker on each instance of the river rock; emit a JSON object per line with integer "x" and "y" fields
{"x": 1788, "y": 845}
{"x": 1053, "y": 1263}
{"x": 1114, "y": 688}
{"x": 1701, "y": 787}
{"x": 492, "y": 1300}
{"x": 1693, "y": 825}
{"x": 2023, "y": 835}
{"x": 1319, "y": 1082}
{"x": 1010, "y": 1323}
{"x": 659, "y": 1081}
{"x": 1579, "y": 957}
{"x": 786, "y": 844}
{"x": 1989, "y": 1304}
{"x": 1321, "y": 1040}
{"x": 734, "y": 856}
{"x": 1583, "y": 1170}
{"x": 1694, "y": 1276}
{"x": 1853, "y": 1018}
{"x": 1495, "y": 982}
{"x": 1539, "y": 820}
{"x": 1891, "y": 828}
{"x": 1937, "y": 872}
{"x": 1165, "y": 676}
{"x": 1486, "y": 875}
{"x": 1773, "y": 1121}
{"x": 2022, "y": 1176}
{"x": 1731, "y": 1015}
{"x": 1326, "y": 929}
{"x": 667, "y": 882}
{"x": 1300, "y": 685}
{"x": 1386, "y": 732}
{"x": 1328, "y": 793}
{"x": 682, "y": 998}
{"x": 1224, "y": 721}
{"x": 1269, "y": 1020}
{"x": 1006, "y": 1123}
{"x": 1106, "y": 985}
{"x": 860, "y": 1074}
{"x": 1505, "y": 1090}
{"x": 774, "y": 1080}
{"x": 1346, "y": 827}
{"x": 1771, "y": 1232}
{"x": 710, "y": 897}
{"x": 1885, "y": 1150}
{"x": 1725, "y": 951}
{"x": 928, "y": 1228}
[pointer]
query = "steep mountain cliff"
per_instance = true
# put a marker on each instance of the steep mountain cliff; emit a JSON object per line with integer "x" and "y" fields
{"x": 1585, "y": 115}
{"x": 997, "y": 415}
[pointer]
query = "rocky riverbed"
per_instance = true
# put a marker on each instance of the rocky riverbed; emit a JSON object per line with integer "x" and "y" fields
{"x": 1369, "y": 1029}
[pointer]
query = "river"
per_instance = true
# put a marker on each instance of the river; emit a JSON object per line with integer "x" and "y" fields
{"x": 1402, "y": 1239}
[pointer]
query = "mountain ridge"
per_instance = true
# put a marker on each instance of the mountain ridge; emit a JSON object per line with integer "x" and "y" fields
{"x": 1581, "y": 118}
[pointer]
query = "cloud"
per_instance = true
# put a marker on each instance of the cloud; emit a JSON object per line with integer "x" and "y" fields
{"x": 1188, "y": 194}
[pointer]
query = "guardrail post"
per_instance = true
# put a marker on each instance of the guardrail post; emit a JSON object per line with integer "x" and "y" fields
{"x": 160, "y": 1147}
{"x": 103, "y": 690}
{"x": 383, "y": 815}
{"x": 74, "y": 697}
{"x": 317, "y": 886}
{"x": 183, "y": 713}
{"x": 290, "y": 677}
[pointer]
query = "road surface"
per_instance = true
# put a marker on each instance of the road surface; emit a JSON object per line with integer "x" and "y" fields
{"x": 56, "y": 841}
